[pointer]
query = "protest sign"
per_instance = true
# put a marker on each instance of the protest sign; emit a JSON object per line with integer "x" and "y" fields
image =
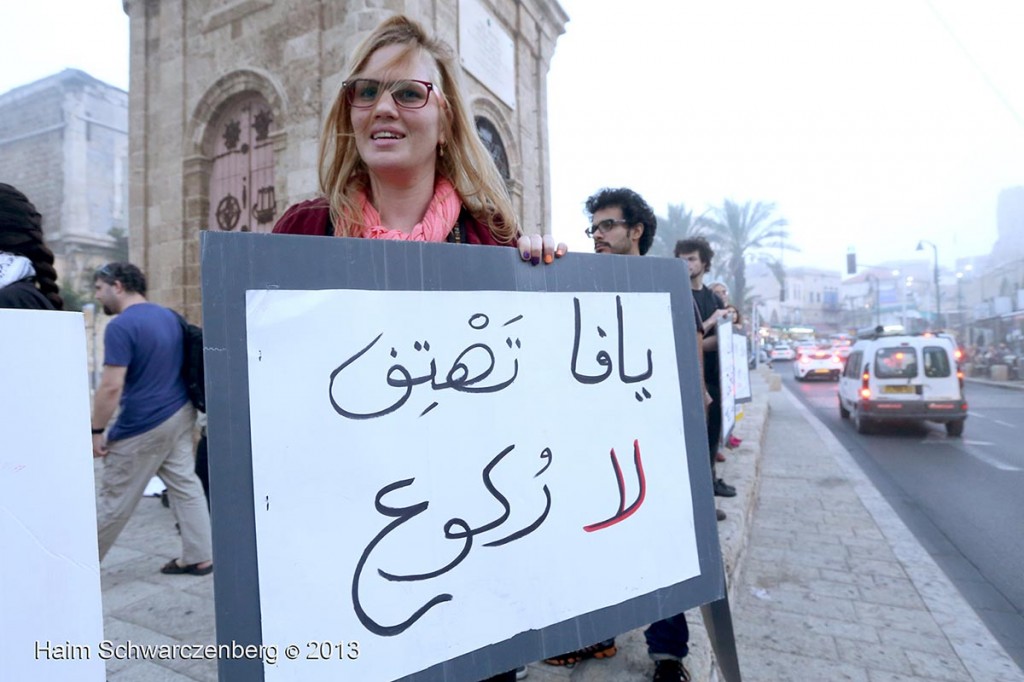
{"x": 727, "y": 376}
{"x": 439, "y": 462}
{"x": 51, "y": 615}
{"x": 741, "y": 368}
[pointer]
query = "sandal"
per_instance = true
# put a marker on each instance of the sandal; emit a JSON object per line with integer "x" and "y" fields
{"x": 605, "y": 649}
{"x": 172, "y": 567}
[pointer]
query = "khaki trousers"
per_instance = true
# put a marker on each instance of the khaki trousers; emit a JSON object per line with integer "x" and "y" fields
{"x": 164, "y": 451}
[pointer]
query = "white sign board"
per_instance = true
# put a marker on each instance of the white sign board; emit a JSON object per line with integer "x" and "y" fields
{"x": 741, "y": 368}
{"x": 51, "y": 615}
{"x": 487, "y": 51}
{"x": 727, "y": 376}
{"x": 413, "y": 493}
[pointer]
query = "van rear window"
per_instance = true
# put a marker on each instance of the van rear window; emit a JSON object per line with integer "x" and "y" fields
{"x": 896, "y": 363}
{"x": 936, "y": 362}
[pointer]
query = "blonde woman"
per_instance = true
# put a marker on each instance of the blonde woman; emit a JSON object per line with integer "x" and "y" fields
{"x": 400, "y": 157}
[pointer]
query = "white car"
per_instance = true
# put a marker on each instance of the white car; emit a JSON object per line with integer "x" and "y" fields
{"x": 817, "y": 362}
{"x": 910, "y": 377}
{"x": 782, "y": 352}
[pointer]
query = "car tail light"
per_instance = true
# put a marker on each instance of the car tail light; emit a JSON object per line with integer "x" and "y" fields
{"x": 865, "y": 392}
{"x": 960, "y": 378}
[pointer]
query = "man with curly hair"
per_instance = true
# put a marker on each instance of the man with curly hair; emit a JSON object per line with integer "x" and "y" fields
{"x": 697, "y": 253}
{"x": 622, "y": 223}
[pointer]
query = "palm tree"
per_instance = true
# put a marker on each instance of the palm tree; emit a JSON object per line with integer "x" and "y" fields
{"x": 739, "y": 230}
{"x": 779, "y": 270}
{"x": 679, "y": 224}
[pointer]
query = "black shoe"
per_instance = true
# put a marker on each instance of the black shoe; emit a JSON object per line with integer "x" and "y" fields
{"x": 720, "y": 515}
{"x": 723, "y": 489}
{"x": 670, "y": 671}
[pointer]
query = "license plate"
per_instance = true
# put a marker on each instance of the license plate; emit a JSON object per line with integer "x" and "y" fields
{"x": 822, "y": 371}
{"x": 898, "y": 389}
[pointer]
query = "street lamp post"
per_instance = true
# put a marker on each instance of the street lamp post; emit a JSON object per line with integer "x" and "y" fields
{"x": 938, "y": 296}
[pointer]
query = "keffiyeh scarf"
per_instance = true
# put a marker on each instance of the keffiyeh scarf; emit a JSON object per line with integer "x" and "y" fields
{"x": 14, "y": 268}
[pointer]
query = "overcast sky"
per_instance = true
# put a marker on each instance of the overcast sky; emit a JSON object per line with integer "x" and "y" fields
{"x": 870, "y": 124}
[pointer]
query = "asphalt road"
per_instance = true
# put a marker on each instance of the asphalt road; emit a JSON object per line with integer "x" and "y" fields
{"x": 962, "y": 497}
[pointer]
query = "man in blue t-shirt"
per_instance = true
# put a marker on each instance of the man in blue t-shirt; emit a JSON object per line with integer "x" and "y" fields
{"x": 152, "y": 435}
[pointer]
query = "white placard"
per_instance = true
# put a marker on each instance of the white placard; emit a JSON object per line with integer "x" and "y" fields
{"x": 727, "y": 376}
{"x": 542, "y": 432}
{"x": 741, "y": 368}
{"x": 487, "y": 51}
{"x": 51, "y": 614}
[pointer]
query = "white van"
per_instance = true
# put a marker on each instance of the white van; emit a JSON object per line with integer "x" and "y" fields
{"x": 903, "y": 377}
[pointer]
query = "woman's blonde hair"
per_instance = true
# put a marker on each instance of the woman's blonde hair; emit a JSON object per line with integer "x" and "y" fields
{"x": 465, "y": 161}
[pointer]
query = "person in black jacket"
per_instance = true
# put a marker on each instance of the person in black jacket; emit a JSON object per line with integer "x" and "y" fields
{"x": 697, "y": 253}
{"x": 27, "y": 276}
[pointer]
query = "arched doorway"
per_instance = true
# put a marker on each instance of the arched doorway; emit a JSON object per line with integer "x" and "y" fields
{"x": 242, "y": 196}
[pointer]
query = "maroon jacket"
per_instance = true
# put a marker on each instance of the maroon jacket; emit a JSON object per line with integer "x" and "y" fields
{"x": 313, "y": 217}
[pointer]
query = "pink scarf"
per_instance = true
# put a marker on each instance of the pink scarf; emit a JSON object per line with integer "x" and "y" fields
{"x": 437, "y": 222}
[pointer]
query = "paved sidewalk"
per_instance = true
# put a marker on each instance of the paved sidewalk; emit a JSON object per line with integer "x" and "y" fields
{"x": 143, "y": 606}
{"x": 826, "y": 583}
{"x": 1016, "y": 384}
{"x": 835, "y": 587}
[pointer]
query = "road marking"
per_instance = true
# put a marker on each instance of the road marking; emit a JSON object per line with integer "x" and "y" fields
{"x": 997, "y": 421}
{"x": 991, "y": 461}
{"x": 985, "y": 458}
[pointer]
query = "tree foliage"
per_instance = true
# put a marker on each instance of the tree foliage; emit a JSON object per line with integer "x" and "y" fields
{"x": 741, "y": 230}
{"x": 680, "y": 224}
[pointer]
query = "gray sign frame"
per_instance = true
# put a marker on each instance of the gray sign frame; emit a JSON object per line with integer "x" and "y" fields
{"x": 234, "y": 263}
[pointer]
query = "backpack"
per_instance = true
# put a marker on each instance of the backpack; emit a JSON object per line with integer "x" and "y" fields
{"x": 192, "y": 366}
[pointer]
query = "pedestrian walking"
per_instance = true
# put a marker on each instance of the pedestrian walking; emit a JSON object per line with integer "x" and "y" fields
{"x": 152, "y": 435}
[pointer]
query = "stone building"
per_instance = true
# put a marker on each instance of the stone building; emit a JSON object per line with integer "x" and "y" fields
{"x": 228, "y": 99}
{"x": 1010, "y": 224}
{"x": 64, "y": 143}
{"x": 812, "y": 299}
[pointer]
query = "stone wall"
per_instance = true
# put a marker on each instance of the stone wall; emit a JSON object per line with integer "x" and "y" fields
{"x": 64, "y": 143}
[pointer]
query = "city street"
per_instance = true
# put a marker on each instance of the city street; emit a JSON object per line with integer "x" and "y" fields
{"x": 959, "y": 496}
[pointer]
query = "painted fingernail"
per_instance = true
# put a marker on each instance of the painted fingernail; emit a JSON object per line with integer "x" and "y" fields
{"x": 549, "y": 258}
{"x": 526, "y": 255}
{"x": 536, "y": 259}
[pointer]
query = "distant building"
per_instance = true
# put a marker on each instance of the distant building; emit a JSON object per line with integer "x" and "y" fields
{"x": 228, "y": 101}
{"x": 64, "y": 143}
{"x": 763, "y": 291}
{"x": 1009, "y": 244}
{"x": 989, "y": 290}
{"x": 811, "y": 300}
